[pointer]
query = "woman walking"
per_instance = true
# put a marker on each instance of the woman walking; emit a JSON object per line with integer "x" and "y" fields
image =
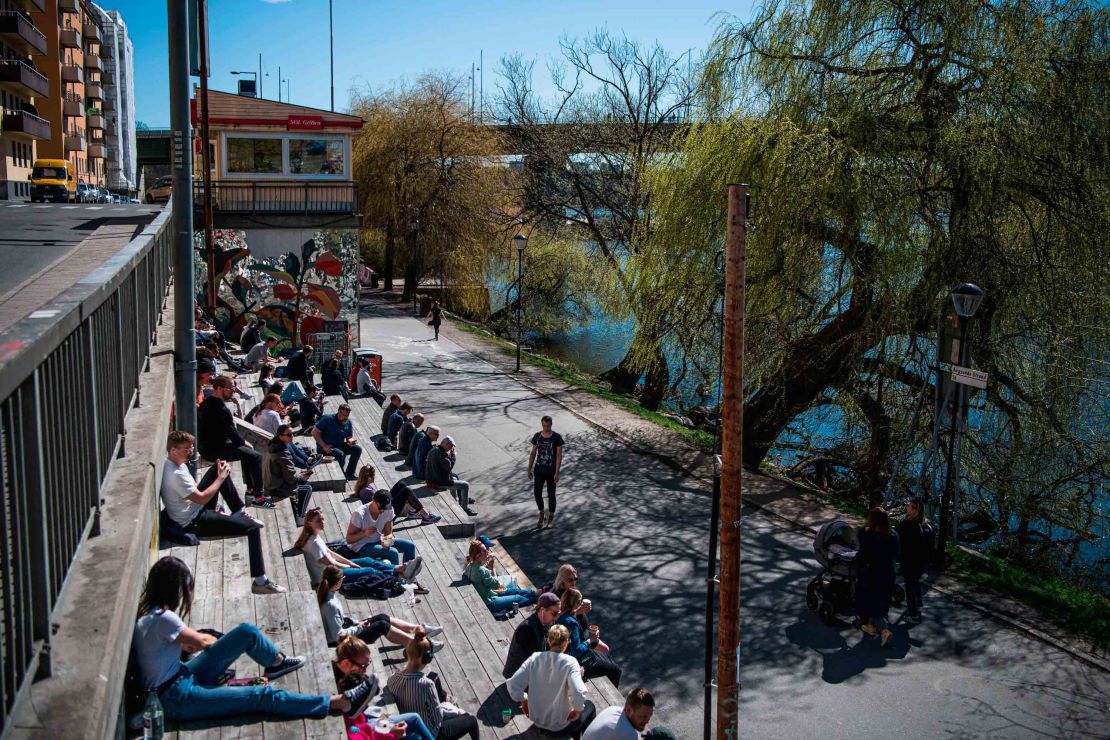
{"x": 915, "y": 535}
{"x": 437, "y": 317}
{"x": 878, "y": 549}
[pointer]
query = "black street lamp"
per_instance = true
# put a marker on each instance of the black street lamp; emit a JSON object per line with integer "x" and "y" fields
{"x": 966, "y": 299}
{"x": 521, "y": 242}
{"x": 414, "y": 224}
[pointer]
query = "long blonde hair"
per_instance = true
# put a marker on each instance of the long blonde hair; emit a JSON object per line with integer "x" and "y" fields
{"x": 572, "y": 599}
{"x": 313, "y": 515}
{"x": 566, "y": 570}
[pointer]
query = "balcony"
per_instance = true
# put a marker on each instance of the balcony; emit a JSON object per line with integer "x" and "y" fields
{"x": 306, "y": 201}
{"x": 109, "y": 105}
{"x": 72, "y": 73}
{"x": 68, "y": 6}
{"x": 22, "y": 124}
{"x": 75, "y": 142}
{"x": 30, "y": 6}
{"x": 21, "y": 78}
{"x": 96, "y": 151}
{"x": 73, "y": 107}
{"x": 17, "y": 31}
{"x": 91, "y": 31}
{"x": 110, "y": 127}
{"x": 96, "y": 121}
{"x": 92, "y": 62}
{"x": 93, "y": 91}
{"x": 69, "y": 38}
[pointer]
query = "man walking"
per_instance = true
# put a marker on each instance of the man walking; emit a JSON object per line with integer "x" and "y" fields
{"x": 192, "y": 505}
{"x": 220, "y": 440}
{"x": 334, "y": 435}
{"x": 550, "y": 686}
{"x": 543, "y": 467}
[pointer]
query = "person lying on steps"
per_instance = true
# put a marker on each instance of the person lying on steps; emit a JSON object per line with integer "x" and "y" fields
{"x": 337, "y": 624}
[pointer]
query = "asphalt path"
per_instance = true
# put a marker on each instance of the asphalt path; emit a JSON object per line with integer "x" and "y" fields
{"x": 34, "y": 236}
{"x": 636, "y": 530}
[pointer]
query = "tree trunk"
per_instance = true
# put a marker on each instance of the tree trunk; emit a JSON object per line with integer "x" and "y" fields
{"x": 624, "y": 377}
{"x": 410, "y": 282}
{"x": 387, "y": 269}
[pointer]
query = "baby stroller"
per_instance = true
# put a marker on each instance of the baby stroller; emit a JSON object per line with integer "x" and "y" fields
{"x": 832, "y": 591}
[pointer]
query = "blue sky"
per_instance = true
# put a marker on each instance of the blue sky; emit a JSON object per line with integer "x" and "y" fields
{"x": 378, "y": 42}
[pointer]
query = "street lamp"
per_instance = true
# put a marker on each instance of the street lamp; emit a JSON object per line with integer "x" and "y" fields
{"x": 966, "y": 299}
{"x": 252, "y": 74}
{"x": 521, "y": 241}
{"x": 414, "y": 224}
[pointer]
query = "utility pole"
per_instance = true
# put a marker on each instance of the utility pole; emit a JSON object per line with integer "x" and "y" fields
{"x": 331, "y": 54}
{"x": 184, "y": 336}
{"x": 206, "y": 156}
{"x": 260, "y": 75}
{"x": 732, "y": 459}
{"x": 472, "y": 92}
{"x": 279, "y": 83}
{"x": 481, "y": 86}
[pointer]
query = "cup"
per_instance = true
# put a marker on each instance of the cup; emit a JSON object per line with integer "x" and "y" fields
{"x": 587, "y": 603}
{"x": 595, "y": 631}
{"x": 506, "y": 716}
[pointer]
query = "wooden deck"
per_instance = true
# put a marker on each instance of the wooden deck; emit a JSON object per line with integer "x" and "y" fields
{"x": 475, "y": 642}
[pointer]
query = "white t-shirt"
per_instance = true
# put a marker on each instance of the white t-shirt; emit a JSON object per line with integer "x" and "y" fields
{"x": 363, "y": 382}
{"x": 315, "y": 550}
{"x": 362, "y": 518}
{"x": 268, "y": 419}
{"x": 177, "y": 486}
{"x": 611, "y": 724}
{"x": 159, "y": 657}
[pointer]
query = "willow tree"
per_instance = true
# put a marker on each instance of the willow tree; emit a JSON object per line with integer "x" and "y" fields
{"x": 432, "y": 193}
{"x": 895, "y": 149}
{"x": 586, "y": 151}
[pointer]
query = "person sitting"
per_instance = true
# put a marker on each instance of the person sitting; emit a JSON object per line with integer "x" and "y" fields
{"x": 364, "y": 385}
{"x": 567, "y": 577}
{"x": 423, "y": 449}
{"x": 352, "y": 658}
{"x": 499, "y": 593}
{"x": 441, "y": 460}
{"x": 311, "y": 408}
{"x": 284, "y": 478}
{"x": 269, "y": 413}
{"x": 190, "y": 690}
{"x": 394, "y": 404}
{"x": 415, "y": 691}
{"x": 530, "y": 636}
{"x": 259, "y": 354}
{"x": 334, "y": 435}
{"x": 337, "y": 624}
{"x": 331, "y": 377}
{"x": 266, "y": 377}
{"x": 410, "y": 436}
{"x": 192, "y": 506}
{"x": 623, "y": 723}
{"x": 298, "y": 368}
{"x": 220, "y": 440}
{"x": 397, "y": 420}
{"x": 583, "y": 643}
{"x": 549, "y": 685}
{"x": 252, "y": 334}
{"x": 370, "y": 532}
{"x": 403, "y": 500}
{"x": 206, "y": 371}
{"x": 318, "y": 556}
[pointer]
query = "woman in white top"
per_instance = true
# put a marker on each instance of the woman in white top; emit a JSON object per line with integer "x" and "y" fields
{"x": 318, "y": 555}
{"x": 269, "y": 414}
{"x": 337, "y": 623}
{"x": 370, "y": 533}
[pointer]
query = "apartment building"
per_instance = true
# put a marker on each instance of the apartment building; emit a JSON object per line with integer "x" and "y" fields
{"x": 74, "y": 102}
{"x": 22, "y": 89}
{"x": 118, "y": 74}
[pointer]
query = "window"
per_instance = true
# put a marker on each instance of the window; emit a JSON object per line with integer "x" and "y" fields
{"x": 316, "y": 157}
{"x": 254, "y": 155}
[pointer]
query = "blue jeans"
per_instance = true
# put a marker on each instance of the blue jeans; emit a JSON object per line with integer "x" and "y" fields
{"x": 194, "y": 694}
{"x": 402, "y": 551}
{"x": 415, "y": 726}
{"x": 344, "y": 453}
{"x": 300, "y": 459}
{"x": 512, "y": 596}
{"x": 366, "y": 567}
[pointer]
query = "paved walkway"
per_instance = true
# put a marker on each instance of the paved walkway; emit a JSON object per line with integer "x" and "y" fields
{"x": 635, "y": 526}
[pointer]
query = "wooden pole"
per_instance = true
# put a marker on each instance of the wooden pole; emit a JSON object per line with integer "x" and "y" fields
{"x": 732, "y": 458}
{"x": 206, "y": 159}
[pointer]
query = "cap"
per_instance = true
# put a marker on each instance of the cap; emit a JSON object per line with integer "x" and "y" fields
{"x": 660, "y": 733}
{"x": 448, "y": 439}
{"x": 546, "y": 600}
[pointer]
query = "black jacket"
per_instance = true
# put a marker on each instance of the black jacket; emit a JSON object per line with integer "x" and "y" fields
{"x": 216, "y": 428}
{"x": 333, "y": 381}
{"x": 297, "y": 368}
{"x": 385, "y": 417}
{"x": 283, "y": 475}
{"x": 529, "y": 637}
{"x": 917, "y": 546}
{"x": 310, "y": 412}
{"x": 251, "y": 336}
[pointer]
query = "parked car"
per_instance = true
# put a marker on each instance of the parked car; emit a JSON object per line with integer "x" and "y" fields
{"x": 160, "y": 191}
{"x": 105, "y": 196}
{"x": 87, "y": 193}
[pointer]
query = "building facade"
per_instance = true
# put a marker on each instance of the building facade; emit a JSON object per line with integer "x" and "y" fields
{"x": 22, "y": 90}
{"x": 118, "y": 73}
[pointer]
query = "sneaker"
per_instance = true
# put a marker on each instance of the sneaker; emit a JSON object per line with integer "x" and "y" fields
{"x": 246, "y": 518}
{"x": 361, "y": 695}
{"x": 419, "y": 589}
{"x": 437, "y": 645}
{"x": 543, "y": 517}
{"x": 550, "y": 519}
{"x": 430, "y": 519}
{"x": 470, "y": 512}
{"x": 431, "y": 630}
{"x": 267, "y": 588}
{"x": 412, "y": 568}
{"x": 885, "y": 638}
{"x": 261, "y": 502}
{"x": 287, "y": 665}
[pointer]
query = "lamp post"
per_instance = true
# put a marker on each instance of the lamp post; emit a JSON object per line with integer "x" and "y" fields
{"x": 414, "y": 224}
{"x": 331, "y": 53}
{"x": 966, "y": 299}
{"x": 521, "y": 241}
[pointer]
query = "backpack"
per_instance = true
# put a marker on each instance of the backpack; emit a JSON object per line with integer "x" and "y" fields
{"x": 372, "y": 586}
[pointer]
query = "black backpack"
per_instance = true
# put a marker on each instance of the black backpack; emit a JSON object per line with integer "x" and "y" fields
{"x": 372, "y": 586}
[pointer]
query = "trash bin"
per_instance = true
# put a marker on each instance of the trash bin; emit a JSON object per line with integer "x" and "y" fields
{"x": 373, "y": 280}
{"x": 375, "y": 359}
{"x": 425, "y": 305}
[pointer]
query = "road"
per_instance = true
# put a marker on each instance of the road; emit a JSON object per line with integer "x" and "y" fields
{"x": 34, "y": 236}
{"x": 636, "y": 530}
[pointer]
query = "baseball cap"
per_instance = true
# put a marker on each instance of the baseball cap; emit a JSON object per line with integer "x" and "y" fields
{"x": 547, "y": 599}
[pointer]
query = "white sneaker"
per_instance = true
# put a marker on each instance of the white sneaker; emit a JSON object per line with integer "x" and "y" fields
{"x": 243, "y": 516}
{"x": 437, "y": 645}
{"x": 432, "y": 630}
{"x": 412, "y": 568}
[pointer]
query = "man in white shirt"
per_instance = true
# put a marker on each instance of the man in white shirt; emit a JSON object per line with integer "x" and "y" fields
{"x": 192, "y": 505}
{"x": 260, "y": 353}
{"x": 623, "y": 723}
{"x": 552, "y": 691}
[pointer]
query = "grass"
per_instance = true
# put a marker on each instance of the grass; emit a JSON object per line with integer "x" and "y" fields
{"x": 1081, "y": 609}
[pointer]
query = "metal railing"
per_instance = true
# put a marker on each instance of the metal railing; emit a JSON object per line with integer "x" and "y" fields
{"x": 69, "y": 372}
{"x": 313, "y": 197}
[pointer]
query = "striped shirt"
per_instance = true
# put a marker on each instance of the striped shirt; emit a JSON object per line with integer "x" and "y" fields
{"x": 415, "y": 692}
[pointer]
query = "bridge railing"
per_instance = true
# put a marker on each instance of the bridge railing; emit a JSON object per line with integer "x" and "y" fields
{"x": 68, "y": 375}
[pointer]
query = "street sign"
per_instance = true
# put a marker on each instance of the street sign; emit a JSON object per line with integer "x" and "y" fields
{"x": 965, "y": 375}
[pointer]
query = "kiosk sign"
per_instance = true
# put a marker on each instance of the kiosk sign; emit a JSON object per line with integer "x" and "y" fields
{"x": 304, "y": 123}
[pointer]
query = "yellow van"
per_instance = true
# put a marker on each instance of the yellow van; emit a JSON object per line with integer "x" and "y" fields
{"x": 53, "y": 179}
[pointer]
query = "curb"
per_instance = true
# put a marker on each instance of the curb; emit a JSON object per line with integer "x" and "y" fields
{"x": 1022, "y": 627}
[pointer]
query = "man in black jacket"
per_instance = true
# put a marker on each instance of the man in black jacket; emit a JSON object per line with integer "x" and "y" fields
{"x": 530, "y": 635}
{"x": 298, "y": 367}
{"x": 218, "y": 439}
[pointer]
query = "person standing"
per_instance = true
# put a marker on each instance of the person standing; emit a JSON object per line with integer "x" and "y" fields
{"x": 915, "y": 536}
{"x": 543, "y": 467}
{"x": 437, "y": 317}
{"x": 878, "y": 549}
{"x": 550, "y": 687}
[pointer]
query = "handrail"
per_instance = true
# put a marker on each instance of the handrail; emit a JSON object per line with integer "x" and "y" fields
{"x": 306, "y": 197}
{"x": 69, "y": 372}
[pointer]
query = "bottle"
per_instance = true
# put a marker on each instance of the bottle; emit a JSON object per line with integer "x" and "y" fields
{"x": 154, "y": 724}
{"x": 410, "y": 593}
